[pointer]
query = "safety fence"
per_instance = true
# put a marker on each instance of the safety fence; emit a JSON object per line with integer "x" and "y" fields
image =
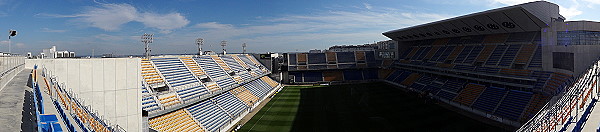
{"x": 575, "y": 104}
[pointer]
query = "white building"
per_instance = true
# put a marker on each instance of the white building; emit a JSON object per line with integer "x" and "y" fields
{"x": 51, "y": 53}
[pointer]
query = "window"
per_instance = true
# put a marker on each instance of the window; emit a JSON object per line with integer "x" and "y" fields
{"x": 563, "y": 60}
{"x": 578, "y": 38}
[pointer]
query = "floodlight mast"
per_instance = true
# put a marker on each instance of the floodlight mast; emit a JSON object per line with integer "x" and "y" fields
{"x": 223, "y": 44}
{"x": 200, "y": 42}
{"x": 244, "y": 48}
{"x": 11, "y": 33}
{"x": 147, "y": 39}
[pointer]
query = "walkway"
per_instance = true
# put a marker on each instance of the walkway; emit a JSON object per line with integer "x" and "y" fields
{"x": 16, "y": 105}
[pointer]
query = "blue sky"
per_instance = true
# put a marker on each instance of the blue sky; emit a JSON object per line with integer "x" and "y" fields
{"x": 109, "y": 26}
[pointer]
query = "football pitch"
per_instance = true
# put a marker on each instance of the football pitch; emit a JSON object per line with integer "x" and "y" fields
{"x": 357, "y": 107}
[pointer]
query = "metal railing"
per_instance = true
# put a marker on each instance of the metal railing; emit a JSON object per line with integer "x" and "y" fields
{"x": 85, "y": 125}
{"x": 556, "y": 116}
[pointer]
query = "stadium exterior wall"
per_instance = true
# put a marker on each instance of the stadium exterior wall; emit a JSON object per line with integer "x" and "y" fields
{"x": 111, "y": 86}
{"x": 584, "y": 54}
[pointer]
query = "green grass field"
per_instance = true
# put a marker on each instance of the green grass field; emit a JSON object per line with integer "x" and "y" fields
{"x": 360, "y": 107}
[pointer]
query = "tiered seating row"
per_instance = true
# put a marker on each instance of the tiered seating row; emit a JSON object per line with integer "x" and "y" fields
{"x": 177, "y": 121}
{"x": 513, "y": 104}
{"x": 245, "y": 95}
{"x": 149, "y": 73}
{"x": 339, "y": 75}
{"x": 174, "y": 71}
{"x": 470, "y": 93}
{"x": 168, "y": 99}
{"x": 209, "y": 115}
{"x": 193, "y": 66}
{"x": 149, "y": 104}
{"x": 230, "y": 104}
{"x": 489, "y": 99}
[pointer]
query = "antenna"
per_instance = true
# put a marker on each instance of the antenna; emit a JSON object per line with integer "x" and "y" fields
{"x": 244, "y": 48}
{"x": 200, "y": 42}
{"x": 147, "y": 39}
{"x": 223, "y": 44}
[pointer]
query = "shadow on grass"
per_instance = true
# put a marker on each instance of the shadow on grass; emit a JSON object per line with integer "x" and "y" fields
{"x": 375, "y": 107}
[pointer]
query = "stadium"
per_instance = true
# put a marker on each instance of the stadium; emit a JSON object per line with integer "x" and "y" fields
{"x": 517, "y": 68}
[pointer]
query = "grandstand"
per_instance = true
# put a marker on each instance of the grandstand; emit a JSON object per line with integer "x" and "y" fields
{"x": 504, "y": 64}
{"x": 520, "y": 66}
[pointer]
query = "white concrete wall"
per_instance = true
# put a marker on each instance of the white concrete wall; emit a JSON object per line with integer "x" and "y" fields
{"x": 6, "y": 67}
{"x": 111, "y": 86}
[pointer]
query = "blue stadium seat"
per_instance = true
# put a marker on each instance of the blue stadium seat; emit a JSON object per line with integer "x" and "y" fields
{"x": 394, "y": 74}
{"x": 402, "y": 76}
{"x": 214, "y": 71}
{"x": 510, "y": 55}
{"x": 292, "y": 59}
{"x": 446, "y": 95}
{"x": 496, "y": 55}
{"x": 313, "y": 76}
{"x": 487, "y": 69}
{"x": 454, "y": 85}
{"x": 316, "y": 58}
{"x": 513, "y": 104}
{"x": 346, "y": 57}
{"x": 438, "y": 53}
{"x": 209, "y": 115}
{"x": 463, "y": 54}
{"x": 425, "y": 79}
{"x": 370, "y": 74}
{"x": 464, "y": 67}
{"x": 422, "y": 54}
{"x": 230, "y": 104}
{"x": 474, "y": 53}
{"x": 370, "y": 58}
{"x": 445, "y": 54}
{"x": 174, "y": 71}
{"x": 353, "y": 75}
{"x": 489, "y": 99}
{"x": 536, "y": 60}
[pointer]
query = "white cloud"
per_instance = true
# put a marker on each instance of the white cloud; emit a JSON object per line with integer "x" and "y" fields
{"x": 52, "y": 30}
{"x": 164, "y": 22}
{"x": 110, "y": 17}
{"x": 317, "y": 30}
{"x": 107, "y": 37}
{"x": 512, "y": 2}
{"x": 570, "y": 12}
{"x": 593, "y": 1}
{"x": 213, "y": 25}
{"x": 368, "y": 6}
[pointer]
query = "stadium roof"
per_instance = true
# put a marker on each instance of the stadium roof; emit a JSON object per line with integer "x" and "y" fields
{"x": 525, "y": 17}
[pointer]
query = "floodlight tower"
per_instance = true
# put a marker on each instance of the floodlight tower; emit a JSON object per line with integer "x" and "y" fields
{"x": 11, "y": 33}
{"x": 223, "y": 44}
{"x": 244, "y": 48}
{"x": 147, "y": 39}
{"x": 200, "y": 42}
